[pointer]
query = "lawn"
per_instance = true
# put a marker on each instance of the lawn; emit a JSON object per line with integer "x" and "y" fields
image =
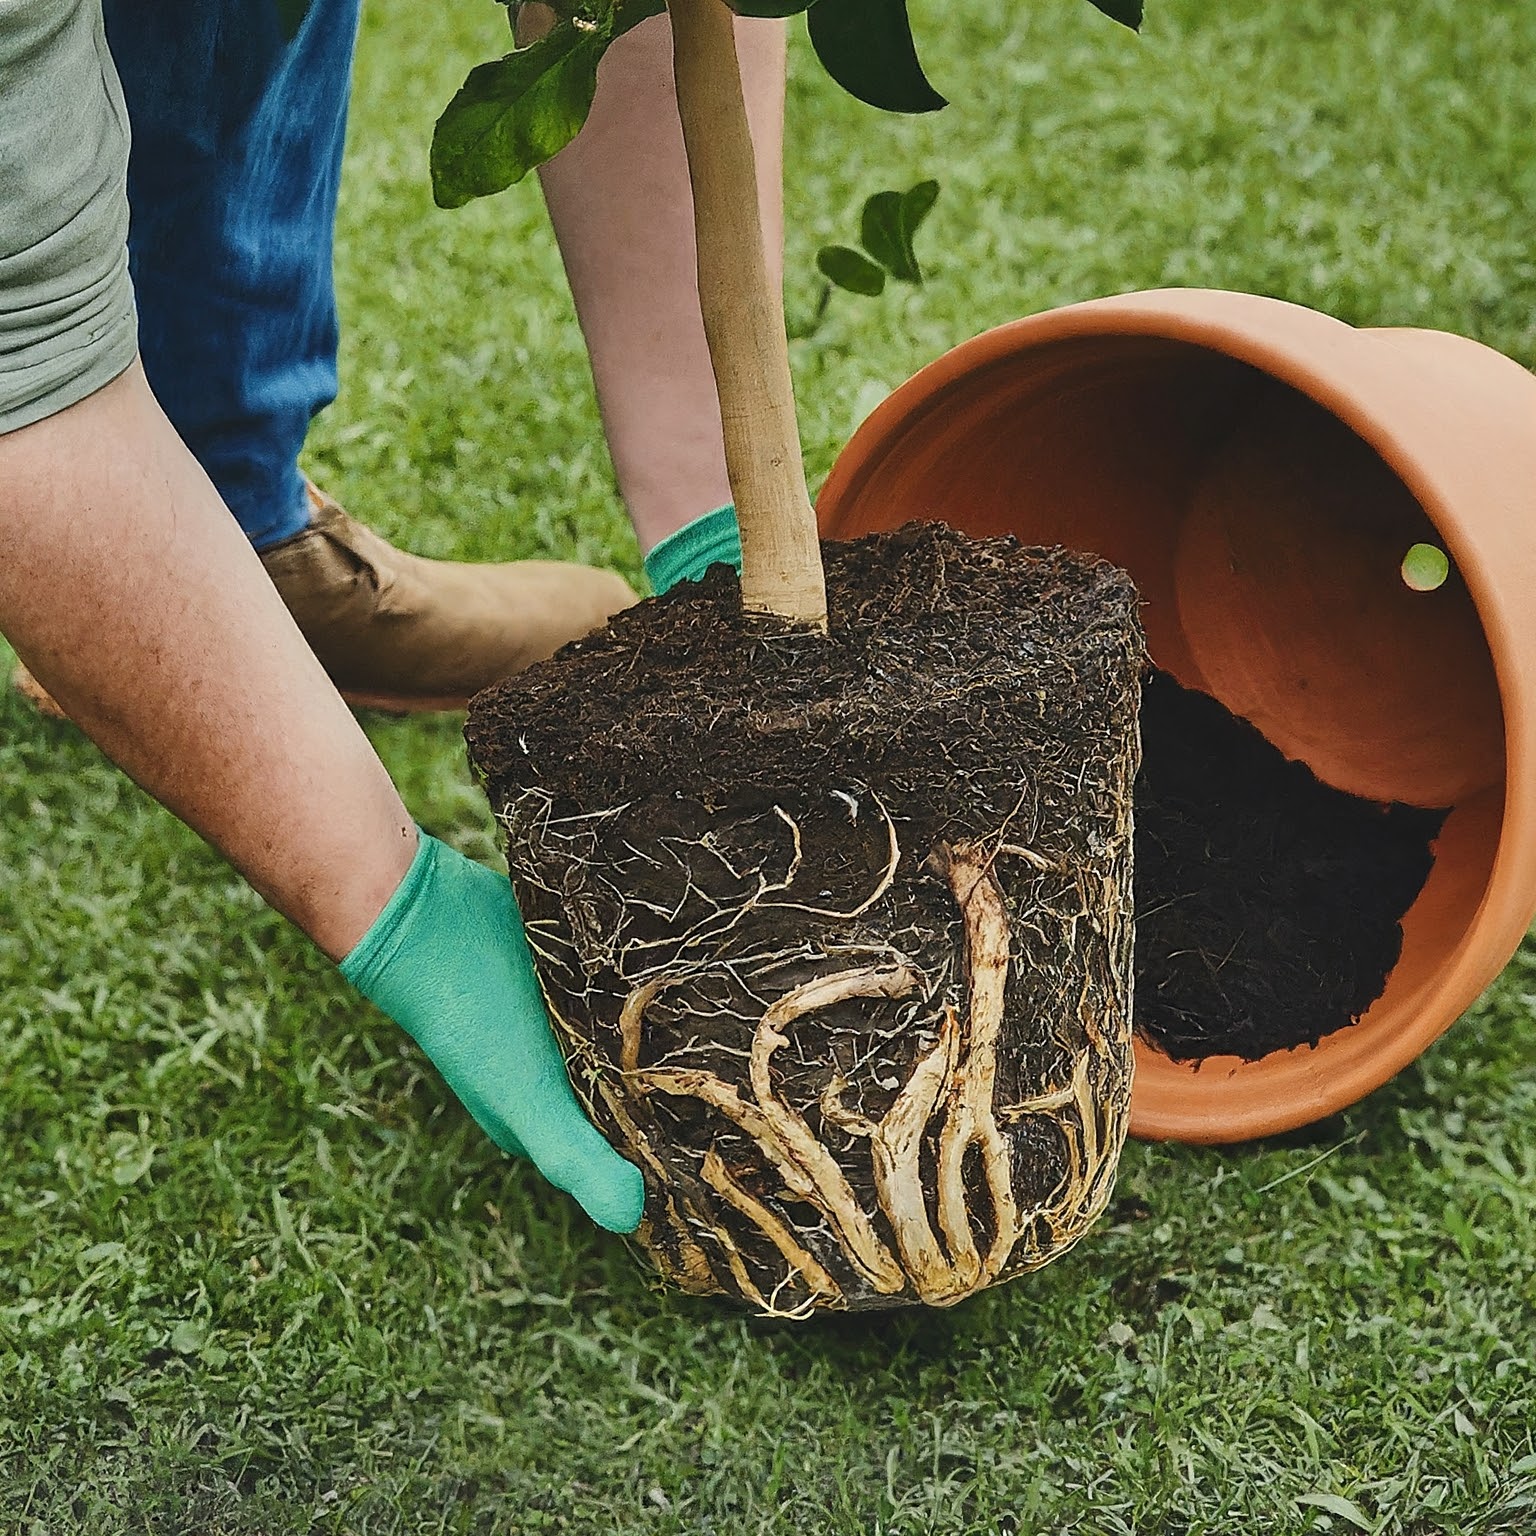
{"x": 259, "y": 1274}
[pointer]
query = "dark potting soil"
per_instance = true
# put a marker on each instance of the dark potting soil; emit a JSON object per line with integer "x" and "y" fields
{"x": 1268, "y": 904}
{"x": 706, "y": 816}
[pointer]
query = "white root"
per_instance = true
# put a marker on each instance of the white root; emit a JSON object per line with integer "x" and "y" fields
{"x": 808, "y": 1169}
{"x": 944, "y": 1251}
{"x": 897, "y": 1146}
{"x": 818, "y": 1282}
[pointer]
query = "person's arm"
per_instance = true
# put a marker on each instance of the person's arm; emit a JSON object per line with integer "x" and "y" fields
{"x": 130, "y": 592}
{"x": 622, "y": 208}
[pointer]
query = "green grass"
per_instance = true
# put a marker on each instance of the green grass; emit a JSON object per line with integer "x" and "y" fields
{"x": 259, "y": 1275}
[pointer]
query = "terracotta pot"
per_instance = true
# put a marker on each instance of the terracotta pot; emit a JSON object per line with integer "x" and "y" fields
{"x": 1261, "y": 470}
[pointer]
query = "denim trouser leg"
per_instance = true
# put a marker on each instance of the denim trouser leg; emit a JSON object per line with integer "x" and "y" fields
{"x": 237, "y": 140}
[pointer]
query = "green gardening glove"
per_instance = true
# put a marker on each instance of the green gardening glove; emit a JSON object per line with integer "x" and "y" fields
{"x": 685, "y": 555}
{"x": 447, "y": 960}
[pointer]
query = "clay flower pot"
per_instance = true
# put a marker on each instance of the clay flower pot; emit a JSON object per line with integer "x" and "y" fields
{"x": 1261, "y": 470}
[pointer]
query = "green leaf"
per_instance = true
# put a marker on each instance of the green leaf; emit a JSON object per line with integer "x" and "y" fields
{"x": 916, "y": 204}
{"x": 891, "y": 221}
{"x": 290, "y": 16}
{"x": 1336, "y": 1504}
{"x": 866, "y": 46}
{"x": 101, "y": 1253}
{"x": 850, "y": 269}
{"x": 515, "y": 113}
{"x": 880, "y": 228}
{"x": 1461, "y": 1230}
{"x": 1128, "y": 13}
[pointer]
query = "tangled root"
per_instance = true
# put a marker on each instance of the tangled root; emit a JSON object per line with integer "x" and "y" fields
{"x": 836, "y": 930}
{"x": 948, "y": 1218}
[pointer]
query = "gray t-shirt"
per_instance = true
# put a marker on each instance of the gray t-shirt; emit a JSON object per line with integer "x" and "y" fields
{"x": 67, "y": 322}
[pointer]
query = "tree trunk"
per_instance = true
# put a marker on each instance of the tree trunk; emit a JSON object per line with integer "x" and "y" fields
{"x": 781, "y": 570}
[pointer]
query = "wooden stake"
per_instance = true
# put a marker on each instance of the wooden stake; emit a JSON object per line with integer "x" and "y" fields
{"x": 744, "y": 324}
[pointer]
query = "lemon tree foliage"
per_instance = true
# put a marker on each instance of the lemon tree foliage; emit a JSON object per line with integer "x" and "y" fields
{"x": 890, "y": 223}
{"x": 887, "y": 228}
{"x": 514, "y": 113}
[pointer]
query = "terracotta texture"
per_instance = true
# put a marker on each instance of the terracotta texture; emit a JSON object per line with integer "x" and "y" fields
{"x": 1261, "y": 470}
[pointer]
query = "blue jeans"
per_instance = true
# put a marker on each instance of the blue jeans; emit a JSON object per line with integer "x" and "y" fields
{"x": 237, "y": 141}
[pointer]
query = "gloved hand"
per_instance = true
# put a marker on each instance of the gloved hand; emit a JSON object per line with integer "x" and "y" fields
{"x": 447, "y": 960}
{"x": 685, "y": 555}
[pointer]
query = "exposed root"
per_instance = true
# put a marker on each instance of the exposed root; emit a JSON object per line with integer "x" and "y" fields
{"x": 897, "y": 1147}
{"x": 881, "y": 886}
{"x": 822, "y": 1287}
{"x": 970, "y": 1122}
{"x": 840, "y": 929}
{"x": 1030, "y": 857}
{"x": 958, "y": 1074}
{"x": 694, "y": 1273}
{"x": 924, "y": 1233}
{"x": 629, "y": 1022}
{"x": 808, "y": 1168}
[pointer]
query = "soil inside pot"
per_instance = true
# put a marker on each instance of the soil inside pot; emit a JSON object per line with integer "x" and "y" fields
{"x": 1269, "y": 905}
{"x": 850, "y": 908}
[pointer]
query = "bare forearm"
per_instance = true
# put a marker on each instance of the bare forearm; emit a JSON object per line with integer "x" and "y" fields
{"x": 620, "y": 201}
{"x": 128, "y": 589}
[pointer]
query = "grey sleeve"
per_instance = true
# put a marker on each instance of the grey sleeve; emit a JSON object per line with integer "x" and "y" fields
{"x": 67, "y": 323}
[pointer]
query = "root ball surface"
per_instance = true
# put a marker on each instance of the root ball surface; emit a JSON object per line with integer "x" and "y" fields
{"x": 836, "y": 931}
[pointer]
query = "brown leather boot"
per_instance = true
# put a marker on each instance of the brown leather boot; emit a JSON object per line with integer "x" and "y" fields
{"x": 401, "y": 633}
